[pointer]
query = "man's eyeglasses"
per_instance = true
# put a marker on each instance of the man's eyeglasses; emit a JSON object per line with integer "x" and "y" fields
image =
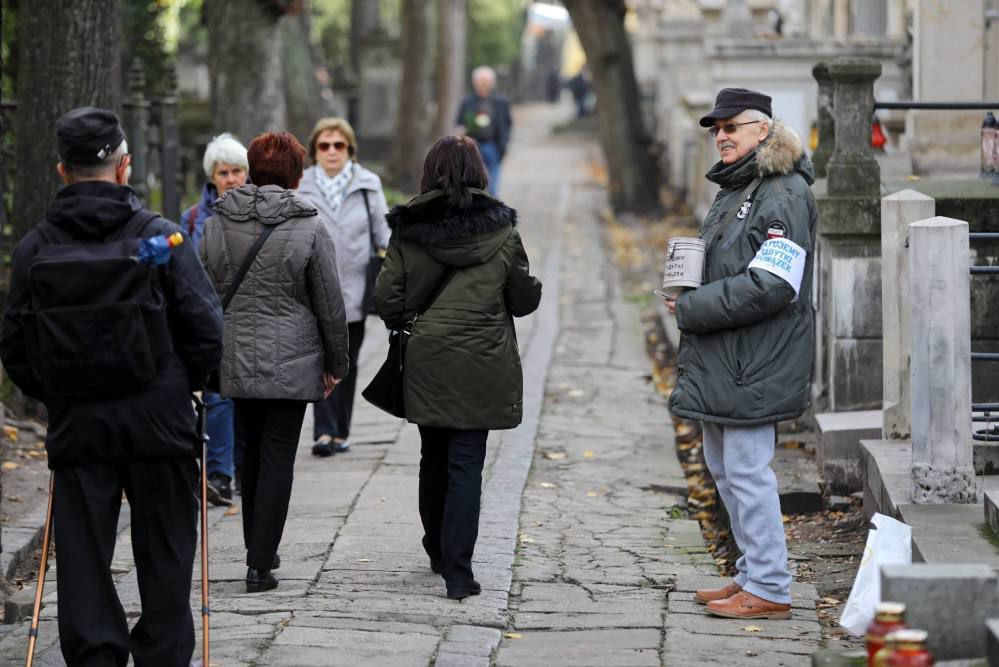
{"x": 324, "y": 146}
{"x": 729, "y": 128}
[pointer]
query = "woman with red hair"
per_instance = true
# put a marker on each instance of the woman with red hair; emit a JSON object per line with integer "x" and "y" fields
{"x": 285, "y": 331}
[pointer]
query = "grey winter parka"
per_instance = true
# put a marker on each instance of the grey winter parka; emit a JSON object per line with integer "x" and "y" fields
{"x": 349, "y": 228}
{"x": 748, "y": 340}
{"x": 463, "y": 366}
{"x": 286, "y": 325}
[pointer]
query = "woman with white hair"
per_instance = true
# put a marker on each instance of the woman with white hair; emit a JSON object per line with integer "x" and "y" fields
{"x": 226, "y": 167}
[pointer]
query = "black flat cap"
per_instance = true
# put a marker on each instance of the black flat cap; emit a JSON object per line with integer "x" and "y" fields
{"x": 87, "y": 135}
{"x": 733, "y": 101}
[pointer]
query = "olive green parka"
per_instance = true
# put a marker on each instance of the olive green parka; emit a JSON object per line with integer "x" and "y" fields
{"x": 463, "y": 366}
{"x": 748, "y": 338}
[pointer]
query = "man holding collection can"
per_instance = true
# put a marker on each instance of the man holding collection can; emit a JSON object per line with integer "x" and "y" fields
{"x": 745, "y": 356}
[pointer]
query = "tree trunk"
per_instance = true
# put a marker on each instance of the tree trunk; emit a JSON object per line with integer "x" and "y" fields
{"x": 306, "y": 80}
{"x": 365, "y": 18}
{"x": 244, "y": 52}
{"x": 411, "y": 128}
{"x": 633, "y": 172}
{"x": 69, "y": 57}
{"x": 451, "y": 34}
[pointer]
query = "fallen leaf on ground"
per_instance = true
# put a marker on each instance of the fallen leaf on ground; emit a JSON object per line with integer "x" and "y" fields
{"x": 11, "y": 465}
{"x": 548, "y": 485}
{"x": 10, "y": 432}
{"x": 513, "y": 635}
{"x": 592, "y": 494}
{"x": 232, "y": 511}
{"x": 524, "y": 539}
{"x": 554, "y": 456}
{"x": 588, "y": 454}
{"x": 752, "y": 628}
{"x": 363, "y": 560}
{"x": 576, "y": 393}
{"x": 831, "y": 600}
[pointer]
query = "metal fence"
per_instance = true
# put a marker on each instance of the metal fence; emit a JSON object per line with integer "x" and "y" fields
{"x": 988, "y": 411}
{"x": 153, "y": 141}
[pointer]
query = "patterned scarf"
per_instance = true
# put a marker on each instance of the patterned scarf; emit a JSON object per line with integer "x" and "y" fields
{"x": 334, "y": 188}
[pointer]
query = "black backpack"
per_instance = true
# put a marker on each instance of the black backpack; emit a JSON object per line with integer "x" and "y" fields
{"x": 98, "y": 323}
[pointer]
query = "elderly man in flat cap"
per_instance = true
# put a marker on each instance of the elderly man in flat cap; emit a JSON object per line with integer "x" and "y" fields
{"x": 114, "y": 346}
{"x": 745, "y": 356}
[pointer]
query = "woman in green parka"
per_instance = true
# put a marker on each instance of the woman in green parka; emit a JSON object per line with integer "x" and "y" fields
{"x": 463, "y": 375}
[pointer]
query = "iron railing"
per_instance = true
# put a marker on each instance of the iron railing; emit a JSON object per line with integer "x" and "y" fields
{"x": 989, "y": 411}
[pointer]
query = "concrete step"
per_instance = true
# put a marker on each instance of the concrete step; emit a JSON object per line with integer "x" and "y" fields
{"x": 992, "y": 511}
{"x": 797, "y": 481}
{"x": 839, "y": 436}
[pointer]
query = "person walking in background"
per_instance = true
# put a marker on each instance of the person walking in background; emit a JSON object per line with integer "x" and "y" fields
{"x": 748, "y": 338}
{"x": 125, "y": 343}
{"x": 462, "y": 372}
{"x": 285, "y": 331}
{"x": 226, "y": 168}
{"x": 485, "y": 116}
{"x": 352, "y": 204}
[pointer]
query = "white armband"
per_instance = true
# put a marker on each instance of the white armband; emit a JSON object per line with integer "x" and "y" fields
{"x": 783, "y": 258}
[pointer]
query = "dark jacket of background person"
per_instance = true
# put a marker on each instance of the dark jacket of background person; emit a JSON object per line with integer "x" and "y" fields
{"x": 158, "y": 420}
{"x": 746, "y": 354}
{"x": 463, "y": 367}
{"x": 498, "y": 108}
{"x": 286, "y": 324}
{"x": 192, "y": 220}
{"x": 348, "y": 227}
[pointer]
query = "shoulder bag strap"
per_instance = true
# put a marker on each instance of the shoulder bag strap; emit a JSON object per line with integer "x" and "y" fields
{"x": 245, "y": 266}
{"x": 371, "y": 224}
{"x": 749, "y": 192}
{"x": 192, "y": 219}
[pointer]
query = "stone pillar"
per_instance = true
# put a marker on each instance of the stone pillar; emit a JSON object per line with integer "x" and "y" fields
{"x": 940, "y": 319}
{"x": 852, "y": 169}
{"x": 898, "y": 211}
{"x": 737, "y": 19}
{"x": 869, "y": 17}
{"x": 948, "y": 64}
{"x": 825, "y": 123}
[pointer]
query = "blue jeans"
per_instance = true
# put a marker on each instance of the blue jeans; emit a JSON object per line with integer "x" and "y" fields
{"x": 491, "y": 156}
{"x": 220, "y": 435}
{"x": 739, "y": 460}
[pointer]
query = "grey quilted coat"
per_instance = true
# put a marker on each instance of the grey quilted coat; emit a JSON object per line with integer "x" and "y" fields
{"x": 286, "y": 324}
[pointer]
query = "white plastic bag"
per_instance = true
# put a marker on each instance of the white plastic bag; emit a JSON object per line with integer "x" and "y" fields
{"x": 888, "y": 543}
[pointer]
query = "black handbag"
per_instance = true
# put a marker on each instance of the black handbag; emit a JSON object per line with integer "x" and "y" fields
{"x": 214, "y": 382}
{"x": 375, "y": 262}
{"x": 385, "y": 391}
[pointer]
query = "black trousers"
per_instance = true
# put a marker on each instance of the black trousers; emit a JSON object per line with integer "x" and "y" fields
{"x": 270, "y": 429}
{"x": 332, "y": 415}
{"x": 450, "y": 493}
{"x": 164, "y": 509}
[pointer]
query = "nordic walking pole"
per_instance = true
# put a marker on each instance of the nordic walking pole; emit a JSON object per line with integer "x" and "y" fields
{"x": 33, "y": 632}
{"x": 203, "y": 436}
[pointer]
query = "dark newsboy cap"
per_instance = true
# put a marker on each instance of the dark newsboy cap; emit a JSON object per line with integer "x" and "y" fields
{"x": 733, "y": 101}
{"x": 88, "y": 135}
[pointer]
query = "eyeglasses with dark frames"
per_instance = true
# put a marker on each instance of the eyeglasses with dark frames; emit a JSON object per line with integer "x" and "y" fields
{"x": 324, "y": 146}
{"x": 729, "y": 128}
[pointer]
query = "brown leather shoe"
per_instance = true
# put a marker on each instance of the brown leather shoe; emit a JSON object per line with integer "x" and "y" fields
{"x": 745, "y": 605}
{"x": 707, "y": 595}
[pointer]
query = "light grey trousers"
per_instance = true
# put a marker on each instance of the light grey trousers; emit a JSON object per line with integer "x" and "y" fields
{"x": 739, "y": 460}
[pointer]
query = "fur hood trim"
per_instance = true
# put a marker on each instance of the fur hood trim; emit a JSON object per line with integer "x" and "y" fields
{"x": 780, "y": 152}
{"x": 434, "y": 221}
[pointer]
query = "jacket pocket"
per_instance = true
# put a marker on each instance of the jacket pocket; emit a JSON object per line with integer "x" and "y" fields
{"x": 755, "y": 351}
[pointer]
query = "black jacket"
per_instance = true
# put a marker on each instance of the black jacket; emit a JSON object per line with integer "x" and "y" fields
{"x": 496, "y": 108}
{"x": 463, "y": 366}
{"x": 159, "y": 420}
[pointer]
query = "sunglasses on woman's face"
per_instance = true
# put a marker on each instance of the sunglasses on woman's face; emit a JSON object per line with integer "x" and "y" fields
{"x": 324, "y": 146}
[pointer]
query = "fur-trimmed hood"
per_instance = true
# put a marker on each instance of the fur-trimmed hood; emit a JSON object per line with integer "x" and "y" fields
{"x": 454, "y": 236}
{"x": 781, "y": 153}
